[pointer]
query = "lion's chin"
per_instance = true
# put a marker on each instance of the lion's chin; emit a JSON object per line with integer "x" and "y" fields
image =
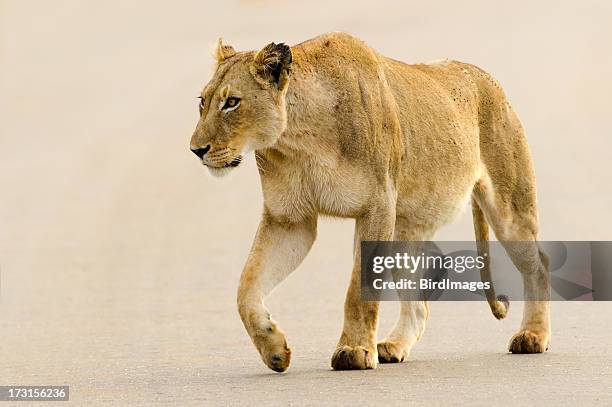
{"x": 220, "y": 171}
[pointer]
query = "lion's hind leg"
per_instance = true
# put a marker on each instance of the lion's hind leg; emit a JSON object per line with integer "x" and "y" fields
{"x": 407, "y": 331}
{"x": 413, "y": 315}
{"x": 506, "y": 193}
{"x": 514, "y": 220}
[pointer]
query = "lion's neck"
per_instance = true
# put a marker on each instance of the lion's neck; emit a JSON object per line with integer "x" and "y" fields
{"x": 309, "y": 103}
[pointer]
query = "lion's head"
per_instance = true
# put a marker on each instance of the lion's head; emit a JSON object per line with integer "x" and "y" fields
{"x": 242, "y": 108}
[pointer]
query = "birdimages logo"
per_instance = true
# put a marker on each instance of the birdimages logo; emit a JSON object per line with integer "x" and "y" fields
{"x": 464, "y": 271}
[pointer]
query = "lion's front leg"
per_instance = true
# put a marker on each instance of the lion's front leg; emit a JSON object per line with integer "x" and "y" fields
{"x": 278, "y": 249}
{"x": 357, "y": 345}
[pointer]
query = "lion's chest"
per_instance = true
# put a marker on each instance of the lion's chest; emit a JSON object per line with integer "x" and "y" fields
{"x": 339, "y": 191}
{"x": 310, "y": 188}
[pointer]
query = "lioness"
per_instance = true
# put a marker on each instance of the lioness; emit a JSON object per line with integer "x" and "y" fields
{"x": 340, "y": 130}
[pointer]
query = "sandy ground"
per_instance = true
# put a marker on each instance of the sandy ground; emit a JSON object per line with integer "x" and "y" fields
{"x": 119, "y": 254}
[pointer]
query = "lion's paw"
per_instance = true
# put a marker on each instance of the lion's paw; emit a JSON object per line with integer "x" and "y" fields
{"x": 392, "y": 352}
{"x": 526, "y": 341}
{"x": 279, "y": 360}
{"x": 272, "y": 347}
{"x": 353, "y": 358}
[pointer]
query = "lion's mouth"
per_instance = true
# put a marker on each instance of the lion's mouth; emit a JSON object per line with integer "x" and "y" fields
{"x": 234, "y": 163}
{"x": 221, "y": 169}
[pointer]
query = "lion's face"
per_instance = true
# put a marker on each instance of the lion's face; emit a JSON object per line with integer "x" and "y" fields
{"x": 242, "y": 108}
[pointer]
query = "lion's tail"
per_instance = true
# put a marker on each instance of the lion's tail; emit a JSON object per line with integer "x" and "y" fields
{"x": 499, "y": 304}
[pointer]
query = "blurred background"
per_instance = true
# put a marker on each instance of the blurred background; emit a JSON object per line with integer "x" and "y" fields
{"x": 120, "y": 254}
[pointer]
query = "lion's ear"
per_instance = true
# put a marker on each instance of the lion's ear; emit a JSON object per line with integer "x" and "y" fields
{"x": 272, "y": 65}
{"x": 224, "y": 51}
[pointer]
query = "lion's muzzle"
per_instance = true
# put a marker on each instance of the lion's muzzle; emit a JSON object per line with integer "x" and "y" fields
{"x": 201, "y": 152}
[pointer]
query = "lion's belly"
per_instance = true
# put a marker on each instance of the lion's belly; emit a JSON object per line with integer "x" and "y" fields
{"x": 429, "y": 210}
{"x": 437, "y": 183}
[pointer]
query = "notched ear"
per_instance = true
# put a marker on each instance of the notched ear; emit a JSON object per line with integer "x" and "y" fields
{"x": 224, "y": 51}
{"x": 272, "y": 65}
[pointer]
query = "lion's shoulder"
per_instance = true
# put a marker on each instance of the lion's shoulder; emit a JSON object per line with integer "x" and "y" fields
{"x": 337, "y": 48}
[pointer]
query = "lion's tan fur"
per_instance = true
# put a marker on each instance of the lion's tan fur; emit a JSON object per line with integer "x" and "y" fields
{"x": 344, "y": 131}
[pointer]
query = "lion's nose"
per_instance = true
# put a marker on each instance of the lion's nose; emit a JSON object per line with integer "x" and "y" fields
{"x": 200, "y": 152}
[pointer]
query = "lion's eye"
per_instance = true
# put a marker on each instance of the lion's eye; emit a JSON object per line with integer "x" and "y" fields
{"x": 231, "y": 103}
